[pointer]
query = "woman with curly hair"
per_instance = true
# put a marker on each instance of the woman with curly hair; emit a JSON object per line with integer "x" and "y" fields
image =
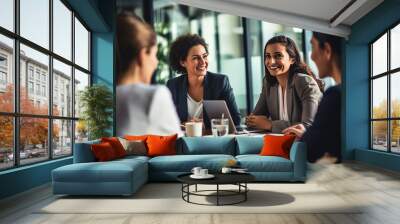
{"x": 290, "y": 93}
{"x": 189, "y": 56}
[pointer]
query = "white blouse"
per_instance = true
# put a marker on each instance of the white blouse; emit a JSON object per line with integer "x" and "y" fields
{"x": 195, "y": 109}
{"x": 146, "y": 109}
{"x": 283, "y": 114}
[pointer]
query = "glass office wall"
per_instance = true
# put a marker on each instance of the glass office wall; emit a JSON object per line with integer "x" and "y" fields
{"x": 224, "y": 35}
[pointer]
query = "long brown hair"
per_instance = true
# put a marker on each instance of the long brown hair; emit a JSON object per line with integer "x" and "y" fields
{"x": 297, "y": 67}
{"x": 132, "y": 36}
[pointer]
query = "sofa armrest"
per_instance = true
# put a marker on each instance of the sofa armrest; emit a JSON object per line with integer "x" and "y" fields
{"x": 83, "y": 152}
{"x": 298, "y": 155}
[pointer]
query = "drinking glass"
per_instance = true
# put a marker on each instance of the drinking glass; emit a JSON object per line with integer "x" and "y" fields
{"x": 220, "y": 127}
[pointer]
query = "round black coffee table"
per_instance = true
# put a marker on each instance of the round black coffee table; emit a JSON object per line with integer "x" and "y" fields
{"x": 238, "y": 179}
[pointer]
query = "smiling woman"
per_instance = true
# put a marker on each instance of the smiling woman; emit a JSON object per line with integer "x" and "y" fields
{"x": 290, "y": 93}
{"x": 189, "y": 57}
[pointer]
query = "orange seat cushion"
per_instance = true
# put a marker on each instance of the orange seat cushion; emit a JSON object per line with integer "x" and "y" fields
{"x": 277, "y": 145}
{"x": 116, "y": 145}
{"x": 161, "y": 145}
{"x": 103, "y": 152}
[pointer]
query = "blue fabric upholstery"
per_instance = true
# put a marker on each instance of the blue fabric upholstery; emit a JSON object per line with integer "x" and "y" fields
{"x": 257, "y": 163}
{"x": 119, "y": 177}
{"x": 207, "y": 145}
{"x": 298, "y": 155}
{"x": 83, "y": 152}
{"x": 249, "y": 144}
{"x": 125, "y": 176}
{"x": 184, "y": 163}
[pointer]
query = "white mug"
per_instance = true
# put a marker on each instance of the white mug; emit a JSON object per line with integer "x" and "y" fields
{"x": 226, "y": 170}
{"x": 196, "y": 171}
{"x": 194, "y": 129}
{"x": 203, "y": 172}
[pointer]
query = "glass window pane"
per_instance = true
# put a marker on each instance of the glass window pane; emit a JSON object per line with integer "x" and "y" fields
{"x": 379, "y": 98}
{"x": 33, "y": 140}
{"x": 395, "y": 136}
{"x": 7, "y": 14}
{"x": 231, "y": 56}
{"x": 6, "y": 74}
{"x": 62, "y": 138}
{"x": 81, "y": 81}
{"x": 6, "y": 142}
{"x": 395, "y": 95}
{"x": 257, "y": 66}
{"x": 208, "y": 32}
{"x": 379, "y": 56}
{"x": 34, "y": 96}
{"x": 81, "y": 131}
{"x": 62, "y": 89}
{"x": 395, "y": 47}
{"x": 81, "y": 45}
{"x": 379, "y": 135}
{"x": 35, "y": 21}
{"x": 62, "y": 29}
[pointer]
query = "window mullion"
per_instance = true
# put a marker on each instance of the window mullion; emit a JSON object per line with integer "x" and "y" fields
{"x": 389, "y": 106}
{"x": 16, "y": 83}
{"x": 73, "y": 82}
{"x": 50, "y": 81}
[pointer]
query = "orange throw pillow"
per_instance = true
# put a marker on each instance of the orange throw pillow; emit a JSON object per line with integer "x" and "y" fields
{"x": 277, "y": 145}
{"x": 136, "y": 137}
{"x": 103, "y": 152}
{"x": 161, "y": 145}
{"x": 116, "y": 145}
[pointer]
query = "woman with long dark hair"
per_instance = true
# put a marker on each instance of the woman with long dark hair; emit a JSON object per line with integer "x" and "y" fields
{"x": 323, "y": 137}
{"x": 290, "y": 92}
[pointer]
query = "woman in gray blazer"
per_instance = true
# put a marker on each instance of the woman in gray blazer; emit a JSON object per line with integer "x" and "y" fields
{"x": 290, "y": 93}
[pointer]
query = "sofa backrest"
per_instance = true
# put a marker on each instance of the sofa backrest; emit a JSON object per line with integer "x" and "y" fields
{"x": 249, "y": 144}
{"x": 206, "y": 145}
{"x": 83, "y": 153}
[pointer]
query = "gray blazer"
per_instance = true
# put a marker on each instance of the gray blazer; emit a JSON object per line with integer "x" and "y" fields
{"x": 303, "y": 96}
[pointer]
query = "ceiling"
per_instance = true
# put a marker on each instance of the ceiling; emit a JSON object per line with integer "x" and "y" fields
{"x": 328, "y": 16}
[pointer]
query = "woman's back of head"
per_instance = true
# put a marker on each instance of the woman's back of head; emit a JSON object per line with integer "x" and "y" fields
{"x": 334, "y": 41}
{"x": 133, "y": 35}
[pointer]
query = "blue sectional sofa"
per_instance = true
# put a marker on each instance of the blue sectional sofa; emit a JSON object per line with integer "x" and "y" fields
{"x": 125, "y": 176}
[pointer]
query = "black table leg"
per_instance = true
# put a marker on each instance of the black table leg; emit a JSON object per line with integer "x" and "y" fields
{"x": 217, "y": 194}
{"x": 245, "y": 193}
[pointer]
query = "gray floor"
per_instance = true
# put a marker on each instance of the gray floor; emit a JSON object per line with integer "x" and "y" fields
{"x": 378, "y": 188}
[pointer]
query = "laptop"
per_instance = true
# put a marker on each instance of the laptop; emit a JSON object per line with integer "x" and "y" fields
{"x": 214, "y": 110}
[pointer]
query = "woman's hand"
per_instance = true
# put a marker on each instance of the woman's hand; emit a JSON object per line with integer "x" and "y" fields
{"x": 297, "y": 130}
{"x": 258, "y": 122}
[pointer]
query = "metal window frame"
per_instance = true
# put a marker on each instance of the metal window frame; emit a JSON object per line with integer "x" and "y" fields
{"x": 388, "y": 74}
{"x": 16, "y": 113}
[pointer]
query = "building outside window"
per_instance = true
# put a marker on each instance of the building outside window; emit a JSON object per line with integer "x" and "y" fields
{"x": 34, "y": 76}
{"x": 385, "y": 94}
{"x": 30, "y": 72}
{"x": 30, "y": 87}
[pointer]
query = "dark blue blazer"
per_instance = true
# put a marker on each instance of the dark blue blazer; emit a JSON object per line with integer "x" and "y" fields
{"x": 216, "y": 87}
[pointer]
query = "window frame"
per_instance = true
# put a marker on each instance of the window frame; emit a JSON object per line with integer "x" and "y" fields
{"x": 16, "y": 115}
{"x": 388, "y": 74}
